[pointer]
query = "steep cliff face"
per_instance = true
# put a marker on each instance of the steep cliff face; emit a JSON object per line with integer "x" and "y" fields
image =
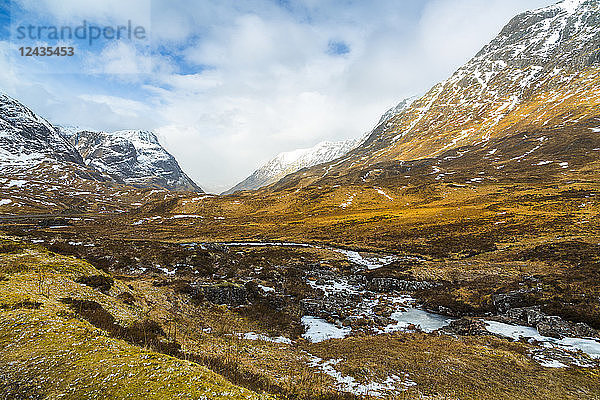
{"x": 134, "y": 157}
{"x": 26, "y": 139}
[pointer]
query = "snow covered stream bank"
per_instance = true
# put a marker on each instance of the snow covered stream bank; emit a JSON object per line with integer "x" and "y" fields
{"x": 343, "y": 305}
{"x": 553, "y": 352}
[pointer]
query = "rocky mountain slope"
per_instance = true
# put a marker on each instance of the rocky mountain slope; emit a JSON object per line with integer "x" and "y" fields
{"x": 292, "y": 161}
{"x": 541, "y": 72}
{"x": 41, "y": 171}
{"x": 26, "y": 139}
{"x": 133, "y": 157}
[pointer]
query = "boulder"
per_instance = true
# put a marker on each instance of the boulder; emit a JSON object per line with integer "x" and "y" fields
{"x": 549, "y": 325}
{"x": 384, "y": 285}
{"x": 465, "y": 327}
{"x": 225, "y": 293}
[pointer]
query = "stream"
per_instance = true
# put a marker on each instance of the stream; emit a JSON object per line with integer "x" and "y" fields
{"x": 408, "y": 316}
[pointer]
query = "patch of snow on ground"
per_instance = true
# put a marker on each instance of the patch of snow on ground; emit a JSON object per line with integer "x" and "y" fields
{"x": 348, "y": 201}
{"x": 368, "y": 262}
{"x": 266, "y": 288}
{"x": 167, "y": 271}
{"x": 349, "y": 384}
{"x": 319, "y": 330}
{"x": 16, "y": 183}
{"x": 381, "y": 192}
{"x": 264, "y": 338}
{"x": 595, "y": 130}
{"x": 4, "y": 202}
{"x": 334, "y": 286}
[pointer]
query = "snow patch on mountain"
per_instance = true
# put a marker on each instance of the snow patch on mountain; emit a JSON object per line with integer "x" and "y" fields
{"x": 134, "y": 157}
{"x": 398, "y": 109}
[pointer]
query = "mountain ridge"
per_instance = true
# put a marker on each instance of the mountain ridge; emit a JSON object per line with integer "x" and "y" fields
{"x": 135, "y": 157}
{"x": 543, "y": 63}
{"x": 289, "y": 162}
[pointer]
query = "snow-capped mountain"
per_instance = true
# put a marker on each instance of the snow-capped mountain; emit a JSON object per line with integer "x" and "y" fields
{"x": 538, "y": 53}
{"x": 291, "y": 161}
{"x": 26, "y": 139}
{"x": 541, "y": 72}
{"x": 42, "y": 171}
{"x": 134, "y": 157}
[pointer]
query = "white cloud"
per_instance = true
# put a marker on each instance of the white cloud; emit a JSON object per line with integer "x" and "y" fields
{"x": 118, "y": 58}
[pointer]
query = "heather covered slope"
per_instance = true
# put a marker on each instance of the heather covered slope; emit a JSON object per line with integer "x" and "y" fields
{"x": 61, "y": 338}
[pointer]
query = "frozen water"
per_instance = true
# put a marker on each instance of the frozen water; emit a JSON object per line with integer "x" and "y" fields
{"x": 428, "y": 322}
{"x": 589, "y": 346}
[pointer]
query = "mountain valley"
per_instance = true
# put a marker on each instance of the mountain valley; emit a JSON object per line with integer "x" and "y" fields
{"x": 452, "y": 253}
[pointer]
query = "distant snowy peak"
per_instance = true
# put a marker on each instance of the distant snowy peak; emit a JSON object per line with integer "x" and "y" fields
{"x": 398, "y": 109}
{"x": 292, "y": 161}
{"x": 134, "y": 157}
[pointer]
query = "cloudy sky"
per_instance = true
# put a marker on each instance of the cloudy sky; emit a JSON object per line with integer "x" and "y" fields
{"x": 229, "y": 84}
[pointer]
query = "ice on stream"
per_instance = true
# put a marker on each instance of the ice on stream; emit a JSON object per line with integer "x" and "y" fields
{"x": 550, "y": 353}
{"x": 426, "y": 321}
{"x": 589, "y": 346}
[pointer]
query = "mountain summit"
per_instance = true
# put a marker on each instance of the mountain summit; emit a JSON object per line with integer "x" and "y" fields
{"x": 27, "y": 139}
{"x": 134, "y": 157}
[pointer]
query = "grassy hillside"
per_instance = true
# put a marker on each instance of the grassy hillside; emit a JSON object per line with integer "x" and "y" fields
{"x": 49, "y": 349}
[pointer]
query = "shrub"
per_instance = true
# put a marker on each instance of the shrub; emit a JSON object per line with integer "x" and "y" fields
{"x": 100, "y": 282}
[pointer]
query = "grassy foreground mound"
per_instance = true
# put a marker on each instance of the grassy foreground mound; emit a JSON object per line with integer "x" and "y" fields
{"x": 47, "y": 351}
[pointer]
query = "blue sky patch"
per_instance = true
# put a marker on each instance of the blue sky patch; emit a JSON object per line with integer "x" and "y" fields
{"x": 337, "y": 48}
